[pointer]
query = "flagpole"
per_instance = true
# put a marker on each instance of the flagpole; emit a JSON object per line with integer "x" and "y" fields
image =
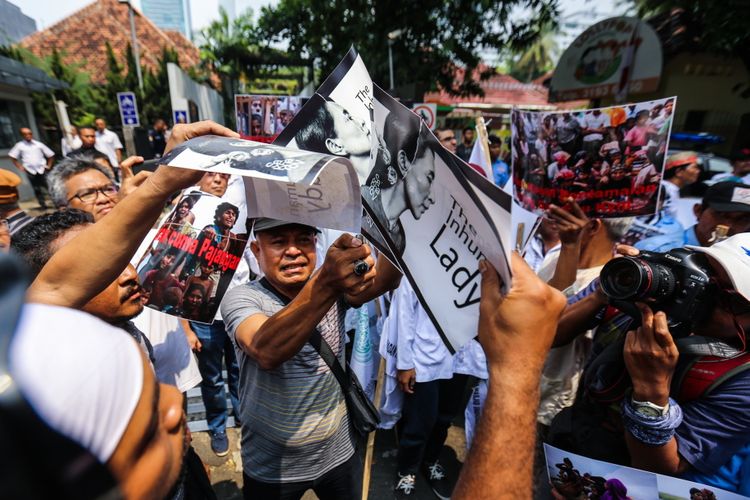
{"x": 483, "y": 136}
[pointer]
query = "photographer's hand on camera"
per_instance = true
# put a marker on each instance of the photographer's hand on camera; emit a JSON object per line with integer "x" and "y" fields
{"x": 337, "y": 272}
{"x": 651, "y": 357}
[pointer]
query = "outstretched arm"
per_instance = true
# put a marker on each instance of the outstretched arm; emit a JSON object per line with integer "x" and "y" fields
{"x": 94, "y": 258}
{"x": 272, "y": 340}
{"x": 499, "y": 465}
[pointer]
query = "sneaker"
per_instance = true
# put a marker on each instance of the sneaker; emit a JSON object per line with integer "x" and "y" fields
{"x": 219, "y": 443}
{"x": 441, "y": 487}
{"x": 405, "y": 486}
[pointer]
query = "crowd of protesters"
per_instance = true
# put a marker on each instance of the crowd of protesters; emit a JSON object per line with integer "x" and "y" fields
{"x": 555, "y": 360}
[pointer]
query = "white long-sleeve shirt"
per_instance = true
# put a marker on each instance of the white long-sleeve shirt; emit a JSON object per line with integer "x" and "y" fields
{"x": 419, "y": 345}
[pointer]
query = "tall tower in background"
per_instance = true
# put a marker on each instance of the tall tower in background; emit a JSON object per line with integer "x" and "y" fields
{"x": 14, "y": 24}
{"x": 170, "y": 15}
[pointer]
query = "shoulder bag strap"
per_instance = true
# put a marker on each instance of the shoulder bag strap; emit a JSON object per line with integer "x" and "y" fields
{"x": 318, "y": 342}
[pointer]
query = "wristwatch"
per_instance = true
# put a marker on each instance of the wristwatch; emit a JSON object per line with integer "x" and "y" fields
{"x": 649, "y": 409}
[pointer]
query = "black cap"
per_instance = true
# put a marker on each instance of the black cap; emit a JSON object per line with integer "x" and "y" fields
{"x": 728, "y": 197}
{"x": 266, "y": 223}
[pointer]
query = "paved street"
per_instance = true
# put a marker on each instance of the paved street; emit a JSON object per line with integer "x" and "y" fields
{"x": 226, "y": 472}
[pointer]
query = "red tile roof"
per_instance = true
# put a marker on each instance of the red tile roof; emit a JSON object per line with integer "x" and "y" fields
{"x": 81, "y": 39}
{"x": 500, "y": 91}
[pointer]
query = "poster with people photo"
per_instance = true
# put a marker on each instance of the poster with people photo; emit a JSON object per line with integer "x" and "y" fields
{"x": 574, "y": 476}
{"x": 262, "y": 117}
{"x": 610, "y": 160}
{"x": 192, "y": 258}
{"x": 284, "y": 183}
{"x": 432, "y": 214}
{"x": 671, "y": 488}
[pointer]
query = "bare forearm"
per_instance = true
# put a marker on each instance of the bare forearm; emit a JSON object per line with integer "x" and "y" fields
{"x": 575, "y": 319}
{"x": 664, "y": 459}
{"x": 500, "y": 462}
{"x": 567, "y": 266}
{"x": 283, "y": 335}
{"x": 93, "y": 259}
{"x": 17, "y": 164}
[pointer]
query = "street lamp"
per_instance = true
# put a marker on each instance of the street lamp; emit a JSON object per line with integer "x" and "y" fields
{"x": 392, "y": 37}
{"x": 134, "y": 42}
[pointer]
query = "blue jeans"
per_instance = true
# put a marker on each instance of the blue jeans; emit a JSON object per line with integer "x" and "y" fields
{"x": 215, "y": 347}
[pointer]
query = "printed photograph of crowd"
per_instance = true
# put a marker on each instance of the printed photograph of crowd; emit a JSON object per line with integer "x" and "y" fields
{"x": 573, "y": 477}
{"x": 610, "y": 160}
{"x": 190, "y": 262}
{"x": 265, "y": 116}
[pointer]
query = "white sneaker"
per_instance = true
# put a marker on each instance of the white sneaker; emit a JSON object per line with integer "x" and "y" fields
{"x": 405, "y": 486}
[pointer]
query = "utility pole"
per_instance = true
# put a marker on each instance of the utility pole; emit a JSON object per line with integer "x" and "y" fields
{"x": 392, "y": 37}
{"x": 134, "y": 43}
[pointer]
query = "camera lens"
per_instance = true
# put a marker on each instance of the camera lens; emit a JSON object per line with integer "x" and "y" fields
{"x": 624, "y": 278}
{"x": 632, "y": 278}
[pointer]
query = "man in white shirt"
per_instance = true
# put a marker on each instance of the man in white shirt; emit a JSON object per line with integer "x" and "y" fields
{"x": 594, "y": 125}
{"x": 34, "y": 158}
{"x": 108, "y": 143}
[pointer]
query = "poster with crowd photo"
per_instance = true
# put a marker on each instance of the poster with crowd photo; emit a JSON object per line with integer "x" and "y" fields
{"x": 191, "y": 260}
{"x": 262, "y": 117}
{"x": 575, "y": 476}
{"x": 671, "y": 488}
{"x": 283, "y": 183}
{"x": 434, "y": 215}
{"x": 610, "y": 160}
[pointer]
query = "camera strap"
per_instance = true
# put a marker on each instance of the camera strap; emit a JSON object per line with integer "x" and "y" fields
{"x": 697, "y": 345}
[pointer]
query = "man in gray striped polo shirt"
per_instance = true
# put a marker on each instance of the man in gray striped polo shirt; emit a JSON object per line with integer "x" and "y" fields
{"x": 295, "y": 427}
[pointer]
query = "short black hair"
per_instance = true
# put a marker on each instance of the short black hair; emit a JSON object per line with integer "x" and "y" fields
{"x": 32, "y": 243}
{"x": 467, "y": 129}
{"x": 493, "y": 139}
{"x": 319, "y": 128}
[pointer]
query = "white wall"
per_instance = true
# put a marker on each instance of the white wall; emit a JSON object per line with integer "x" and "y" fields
{"x": 182, "y": 88}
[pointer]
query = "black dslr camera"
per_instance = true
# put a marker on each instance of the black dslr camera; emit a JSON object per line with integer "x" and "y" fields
{"x": 676, "y": 282}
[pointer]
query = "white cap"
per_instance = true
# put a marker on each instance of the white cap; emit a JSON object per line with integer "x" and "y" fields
{"x": 82, "y": 376}
{"x": 734, "y": 256}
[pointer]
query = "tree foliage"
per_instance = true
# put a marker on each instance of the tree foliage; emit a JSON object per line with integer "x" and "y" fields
{"x": 437, "y": 37}
{"x": 706, "y": 25}
{"x": 537, "y": 59}
{"x": 235, "y": 49}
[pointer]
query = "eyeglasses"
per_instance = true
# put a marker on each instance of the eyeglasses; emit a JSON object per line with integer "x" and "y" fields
{"x": 89, "y": 195}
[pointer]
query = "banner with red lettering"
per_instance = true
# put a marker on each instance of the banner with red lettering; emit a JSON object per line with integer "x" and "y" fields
{"x": 192, "y": 258}
{"x": 610, "y": 160}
